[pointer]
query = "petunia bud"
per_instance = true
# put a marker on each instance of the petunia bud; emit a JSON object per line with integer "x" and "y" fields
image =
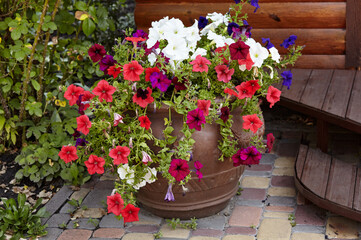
{"x": 113, "y": 143}
{"x": 131, "y": 143}
{"x": 146, "y": 158}
{"x": 169, "y": 196}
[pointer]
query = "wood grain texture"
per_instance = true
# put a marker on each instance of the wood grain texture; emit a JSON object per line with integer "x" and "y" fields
{"x": 357, "y": 197}
{"x": 316, "y": 89}
{"x": 301, "y": 158}
{"x": 333, "y": 40}
{"x": 338, "y": 93}
{"x": 354, "y": 108}
{"x": 287, "y": 14}
{"x": 321, "y": 62}
{"x": 315, "y": 171}
{"x": 353, "y": 45}
{"x": 299, "y": 82}
{"x": 341, "y": 183}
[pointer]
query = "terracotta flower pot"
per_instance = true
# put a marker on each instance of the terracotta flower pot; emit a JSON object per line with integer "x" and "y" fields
{"x": 220, "y": 179}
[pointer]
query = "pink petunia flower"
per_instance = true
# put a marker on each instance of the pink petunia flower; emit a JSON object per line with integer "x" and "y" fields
{"x": 224, "y": 74}
{"x": 273, "y": 95}
{"x": 200, "y": 64}
{"x": 204, "y": 106}
{"x": 84, "y": 124}
{"x": 252, "y": 122}
{"x": 132, "y": 71}
{"x": 195, "y": 119}
{"x": 72, "y": 94}
{"x": 104, "y": 91}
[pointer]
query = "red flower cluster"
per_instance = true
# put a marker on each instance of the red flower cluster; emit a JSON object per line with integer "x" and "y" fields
{"x": 115, "y": 205}
{"x": 120, "y": 155}
{"x": 72, "y": 94}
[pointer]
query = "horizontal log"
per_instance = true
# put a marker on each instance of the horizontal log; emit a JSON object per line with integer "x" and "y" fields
{"x": 271, "y": 15}
{"x": 316, "y": 41}
{"x": 321, "y": 61}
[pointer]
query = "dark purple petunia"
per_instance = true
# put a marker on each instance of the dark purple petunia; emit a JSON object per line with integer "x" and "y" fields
{"x": 268, "y": 43}
{"x": 106, "y": 63}
{"x": 140, "y": 33}
{"x": 231, "y": 28}
{"x": 81, "y": 105}
{"x": 202, "y": 22}
{"x": 237, "y": 1}
{"x": 287, "y": 79}
{"x": 80, "y": 142}
{"x": 224, "y": 113}
{"x": 179, "y": 169}
{"x": 246, "y": 29}
{"x": 239, "y": 50}
{"x": 179, "y": 86}
{"x": 169, "y": 196}
{"x": 195, "y": 119}
{"x": 160, "y": 81}
{"x": 254, "y": 3}
{"x": 250, "y": 156}
{"x": 96, "y": 52}
{"x": 76, "y": 134}
{"x": 289, "y": 41}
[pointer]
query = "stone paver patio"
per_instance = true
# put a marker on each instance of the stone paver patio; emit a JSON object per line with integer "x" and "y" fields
{"x": 269, "y": 203}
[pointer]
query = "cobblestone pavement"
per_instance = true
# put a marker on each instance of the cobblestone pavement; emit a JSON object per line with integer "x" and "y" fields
{"x": 269, "y": 208}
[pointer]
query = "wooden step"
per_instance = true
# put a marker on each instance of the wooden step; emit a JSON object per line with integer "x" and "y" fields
{"x": 328, "y": 182}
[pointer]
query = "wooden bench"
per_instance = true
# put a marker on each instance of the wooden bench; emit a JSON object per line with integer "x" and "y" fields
{"x": 325, "y": 83}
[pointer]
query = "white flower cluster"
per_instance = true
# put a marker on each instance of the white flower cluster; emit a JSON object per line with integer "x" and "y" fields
{"x": 127, "y": 173}
{"x": 182, "y": 41}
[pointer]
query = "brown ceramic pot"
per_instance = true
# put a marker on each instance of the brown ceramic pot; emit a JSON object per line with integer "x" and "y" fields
{"x": 220, "y": 179}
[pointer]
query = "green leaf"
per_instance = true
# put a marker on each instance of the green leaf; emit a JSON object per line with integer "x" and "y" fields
{"x": 88, "y": 26}
{"x": 35, "y": 84}
{"x": 55, "y": 117}
{"x": 64, "y": 21}
{"x": 81, "y": 6}
{"x": 33, "y": 169}
{"x": 21, "y": 200}
{"x": 3, "y": 26}
{"x": 13, "y": 137}
{"x": 52, "y": 26}
{"x": 16, "y": 34}
{"x": 20, "y": 55}
{"x": 19, "y": 174}
{"x": 2, "y": 122}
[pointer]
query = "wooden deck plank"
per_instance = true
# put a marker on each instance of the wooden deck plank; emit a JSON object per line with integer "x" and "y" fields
{"x": 316, "y": 89}
{"x": 315, "y": 171}
{"x": 341, "y": 183}
{"x": 353, "y": 111}
{"x": 301, "y": 158}
{"x": 338, "y": 93}
{"x": 357, "y": 197}
{"x": 299, "y": 81}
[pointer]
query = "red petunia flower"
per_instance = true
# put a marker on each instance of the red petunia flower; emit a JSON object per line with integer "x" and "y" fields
{"x": 132, "y": 71}
{"x": 87, "y": 96}
{"x": 95, "y": 164}
{"x": 72, "y": 94}
{"x": 253, "y": 86}
{"x": 114, "y": 71}
{"x": 135, "y": 40}
{"x": 273, "y": 95}
{"x": 96, "y": 52}
{"x": 84, "y": 124}
{"x": 200, "y": 64}
{"x": 239, "y": 50}
{"x": 222, "y": 50}
{"x": 244, "y": 91}
{"x": 115, "y": 204}
{"x": 204, "y": 106}
{"x": 230, "y": 92}
{"x": 120, "y": 155}
{"x": 143, "y": 97}
{"x": 104, "y": 91}
{"x": 144, "y": 122}
{"x": 130, "y": 213}
{"x": 179, "y": 86}
{"x": 246, "y": 63}
{"x": 68, "y": 154}
{"x": 270, "y": 141}
{"x": 224, "y": 114}
{"x": 149, "y": 71}
{"x": 224, "y": 74}
{"x": 252, "y": 122}
{"x": 179, "y": 169}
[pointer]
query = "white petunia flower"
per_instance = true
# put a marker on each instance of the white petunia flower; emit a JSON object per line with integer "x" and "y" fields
{"x": 192, "y": 34}
{"x": 218, "y": 18}
{"x": 274, "y": 54}
{"x": 176, "y": 49}
{"x": 125, "y": 172}
{"x": 174, "y": 28}
{"x": 152, "y": 58}
{"x": 199, "y": 51}
{"x": 258, "y": 54}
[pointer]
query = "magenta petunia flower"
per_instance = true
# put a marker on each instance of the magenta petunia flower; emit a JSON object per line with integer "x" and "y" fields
{"x": 270, "y": 142}
{"x": 239, "y": 50}
{"x": 250, "y": 155}
{"x": 106, "y": 62}
{"x": 225, "y": 113}
{"x": 195, "y": 119}
{"x": 179, "y": 169}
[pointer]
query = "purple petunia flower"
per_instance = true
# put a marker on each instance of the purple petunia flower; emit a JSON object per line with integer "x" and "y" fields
{"x": 140, "y": 33}
{"x": 80, "y": 142}
{"x": 268, "y": 43}
{"x": 232, "y": 26}
{"x": 160, "y": 81}
{"x": 246, "y": 29}
{"x": 169, "y": 196}
{"x": 106, "y": 63}
{"x": 250, "y": 155}
{"x": 195, "y": 119}
{"x": 289, "y": 41}
{"x": 254, "y": 3}
{"x": 287, "y": 79}
{"x": 202, "y": 22}
{"x": 237, "y": 1}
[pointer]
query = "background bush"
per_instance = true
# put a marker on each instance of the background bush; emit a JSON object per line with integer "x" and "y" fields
{"x": 43, "y": 49}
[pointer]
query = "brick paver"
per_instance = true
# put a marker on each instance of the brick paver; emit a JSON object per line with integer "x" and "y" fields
{"x": 238, "y": 237}
{"x": 245, "y": 216}
{"x": 108, "y": 233}
{"x": 274, "y": 229}
{"x": 255, "y": 182}
{"x": 75, "y": 234}
{"x": 340, "y": 227}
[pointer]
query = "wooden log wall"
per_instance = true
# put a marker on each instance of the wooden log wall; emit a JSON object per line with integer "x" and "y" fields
{"x": 320, "y": 25}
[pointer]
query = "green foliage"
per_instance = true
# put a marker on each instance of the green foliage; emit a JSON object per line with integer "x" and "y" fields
{"x": 75, "y": 175}
{"x": 292, "y": 219}
{"x": 35, "y": 68}
{"x": 158, "y": 235}
{"x": 176, "y": 222}
{"x": 20, "y": 219}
